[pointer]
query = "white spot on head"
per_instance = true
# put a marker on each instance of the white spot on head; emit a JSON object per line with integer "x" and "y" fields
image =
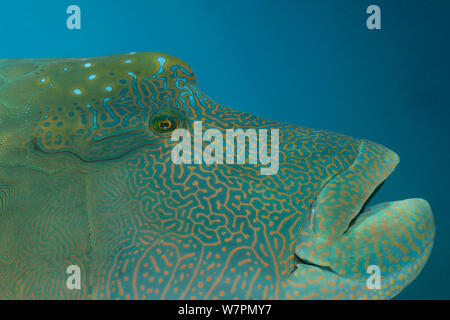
{"x": 92, "y": 76}
{"x": 43, "y": 80}
{"x": 128, "y": 61}
{"x": 108, "y": 88}
{"x": 87, "y": 65}
{"x": 65, "y": 69}
{"x": 77, "y": 91}
{"x": 161, "y": 60}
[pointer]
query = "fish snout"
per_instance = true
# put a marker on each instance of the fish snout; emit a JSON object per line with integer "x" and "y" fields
{"x": 341, "y": 240}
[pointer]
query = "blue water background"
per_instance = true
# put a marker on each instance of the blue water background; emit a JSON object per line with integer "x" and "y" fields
{"x": 312, "y": 63}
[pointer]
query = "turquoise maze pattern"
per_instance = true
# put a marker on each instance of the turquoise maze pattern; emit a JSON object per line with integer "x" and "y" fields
{"x": 85, "y": 179}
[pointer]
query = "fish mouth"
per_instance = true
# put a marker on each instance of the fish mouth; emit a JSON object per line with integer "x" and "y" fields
{"x": 343, "y": 235}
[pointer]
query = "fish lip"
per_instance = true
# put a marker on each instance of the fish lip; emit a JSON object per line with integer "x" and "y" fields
{"x": 365, "y": 206}
{"x": 339, "y": 240}
{"x": 367, "y": 174}
{"x": 388, "y": 160}
{"x": 358, "y": 182}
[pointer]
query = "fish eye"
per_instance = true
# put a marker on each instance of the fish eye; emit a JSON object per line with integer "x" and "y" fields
{"x": 164, "y": 123}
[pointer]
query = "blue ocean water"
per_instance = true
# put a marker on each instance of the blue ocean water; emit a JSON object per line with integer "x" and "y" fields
{"x": 311, "y": 63}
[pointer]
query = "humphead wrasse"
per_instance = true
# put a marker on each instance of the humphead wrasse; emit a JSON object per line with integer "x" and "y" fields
{"x": 87, "y": 180}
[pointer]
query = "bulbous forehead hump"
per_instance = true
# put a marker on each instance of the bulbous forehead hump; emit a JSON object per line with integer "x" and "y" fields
{"x": 142, "y": 64}
{"x": 84, "y": 77}
{"x": 115, "y": 67}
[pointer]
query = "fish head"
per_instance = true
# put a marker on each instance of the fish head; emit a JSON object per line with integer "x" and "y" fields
{"x": 81, "y": 106}
{"x": 169, "y": 211}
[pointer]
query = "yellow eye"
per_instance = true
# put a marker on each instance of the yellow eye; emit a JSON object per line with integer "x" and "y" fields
{"x": 164, "y": 124}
